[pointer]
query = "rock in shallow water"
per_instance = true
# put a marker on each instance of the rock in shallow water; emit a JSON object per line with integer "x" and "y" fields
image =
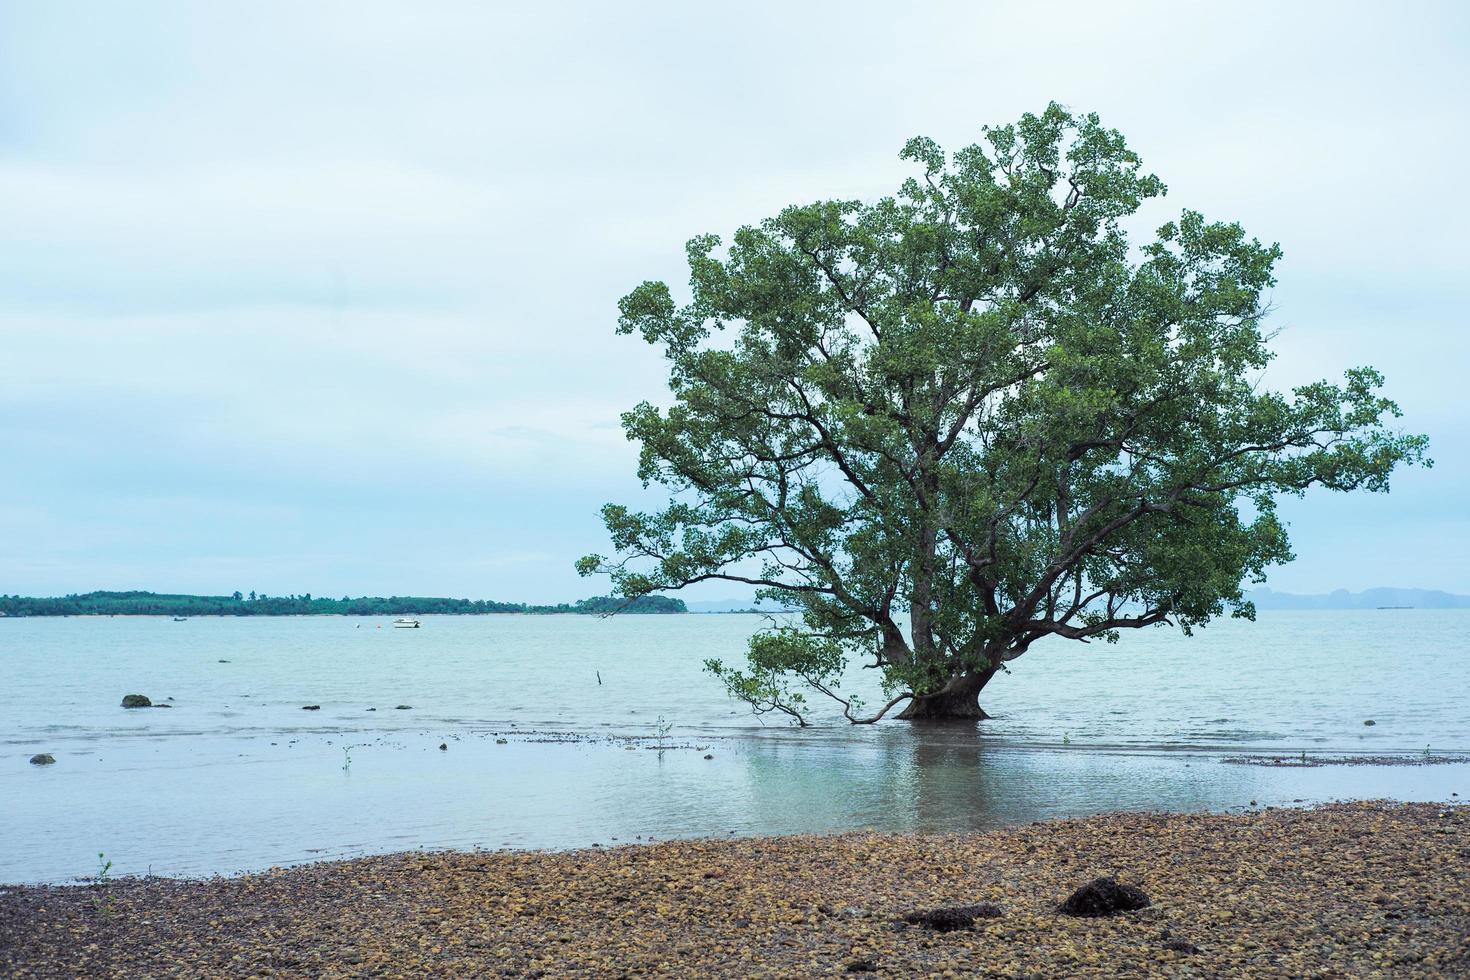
{"x": 43, "y": 759}
{"x": 136, "y": 701}
{"x": 1104, "y": 896}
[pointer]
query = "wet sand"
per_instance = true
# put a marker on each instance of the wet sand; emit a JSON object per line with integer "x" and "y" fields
{"x": 1357, "y": 889}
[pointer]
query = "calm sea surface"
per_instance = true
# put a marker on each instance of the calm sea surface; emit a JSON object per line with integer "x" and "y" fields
{"x": 237, "y": 776}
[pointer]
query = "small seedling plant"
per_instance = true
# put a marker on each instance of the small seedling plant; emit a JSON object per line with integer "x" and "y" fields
{"x": 662, "y": 728}
{"x": 101, "y": 881}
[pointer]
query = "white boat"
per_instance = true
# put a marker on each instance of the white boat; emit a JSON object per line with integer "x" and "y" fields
{"x": 405, "y": 624}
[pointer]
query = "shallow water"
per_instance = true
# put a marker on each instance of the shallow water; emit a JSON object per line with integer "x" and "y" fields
{"x": 236, "y": 776}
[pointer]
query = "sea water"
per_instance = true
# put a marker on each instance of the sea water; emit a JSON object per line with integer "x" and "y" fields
{"x": 564, "y": 731}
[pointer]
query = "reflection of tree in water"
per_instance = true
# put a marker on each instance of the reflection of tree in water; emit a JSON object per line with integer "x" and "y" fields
{"x": 956, "y": 779}
{"x": 952, "y": 777}
{"x": 959, "y": 781}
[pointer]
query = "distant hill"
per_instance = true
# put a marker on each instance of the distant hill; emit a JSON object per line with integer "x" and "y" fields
{"x": 158, "y": 604}
{"x": 1371, "y": 599}
{"x": 1263, "y": 598}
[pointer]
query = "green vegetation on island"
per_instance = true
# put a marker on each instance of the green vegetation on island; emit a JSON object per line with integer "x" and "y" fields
{"x": 254, "y": 604}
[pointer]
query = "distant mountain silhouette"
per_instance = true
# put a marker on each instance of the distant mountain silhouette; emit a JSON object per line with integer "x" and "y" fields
{"x": 1371, "y": 599}
{"x": 1263, "y": 598}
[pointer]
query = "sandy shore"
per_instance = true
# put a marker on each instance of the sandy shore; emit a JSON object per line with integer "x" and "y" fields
{"x": 1346, "y": 890}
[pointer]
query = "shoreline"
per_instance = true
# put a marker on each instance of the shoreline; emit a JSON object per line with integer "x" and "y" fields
{"x": 1343, "y": 888}
{"x": 532, "y": 789}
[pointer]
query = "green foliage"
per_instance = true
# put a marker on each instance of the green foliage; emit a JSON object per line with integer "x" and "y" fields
{"x": 153, "y": 604}
{"x": 977, "y": 406}
{"x": 103, "y": 901}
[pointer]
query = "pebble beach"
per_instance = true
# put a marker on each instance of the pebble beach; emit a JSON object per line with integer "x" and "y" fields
{"x": 1353, "y": 889}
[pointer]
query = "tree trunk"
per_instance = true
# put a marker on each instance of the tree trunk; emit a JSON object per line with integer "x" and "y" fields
{"x": 958, "y": 699}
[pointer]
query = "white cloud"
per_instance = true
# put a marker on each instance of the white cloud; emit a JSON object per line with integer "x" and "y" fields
{"x": 306, "y": 265}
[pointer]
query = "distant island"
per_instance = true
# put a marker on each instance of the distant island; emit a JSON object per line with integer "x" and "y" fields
{"x": 1380, "y": 598}
{"x": 253, "y": 604}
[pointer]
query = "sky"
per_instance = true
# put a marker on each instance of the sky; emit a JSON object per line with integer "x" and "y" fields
{"x": 321, "y": 297}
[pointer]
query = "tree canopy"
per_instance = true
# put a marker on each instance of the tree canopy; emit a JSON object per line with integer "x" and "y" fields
{"x": 948, "y": 424}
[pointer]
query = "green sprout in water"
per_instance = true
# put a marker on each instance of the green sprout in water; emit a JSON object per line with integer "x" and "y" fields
{"x": 1066, "y": 738}
{"x": 663, "y": 728}
{"x": 347, "y": 756}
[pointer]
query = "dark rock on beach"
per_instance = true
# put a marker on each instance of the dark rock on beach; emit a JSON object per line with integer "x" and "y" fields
{"x": 311, "y": 707}
{"x": 952, "y": 918}
{"x": 403, "y": 707}
{"x": 136, "y": 701}
{"x": 1104, "y": 896}
{"x": 42, "y": 759}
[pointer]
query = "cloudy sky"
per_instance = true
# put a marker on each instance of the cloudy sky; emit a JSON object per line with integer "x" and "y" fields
{"x": 320, "y": 296}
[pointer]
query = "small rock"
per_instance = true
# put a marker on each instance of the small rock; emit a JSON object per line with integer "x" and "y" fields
{"x": 372, "y": 709}
{"x": 311, "y": 707}
{"x": 865, "y": 965}
{"x": 1104, "y": 896}
{"x": 1370, "y": 722}
{"x": 500, "y": 741}
{"x": 221, "y": 661}
{"x": 443, "y": 747}
{"x": 953, "y": 918}
{"x": 709, "y": 757}
{"x": 1180, "y": 946}
{"x": 43, "y": 759}
{"x": 403, "y": 707}
{"x": 136, "y": 701}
